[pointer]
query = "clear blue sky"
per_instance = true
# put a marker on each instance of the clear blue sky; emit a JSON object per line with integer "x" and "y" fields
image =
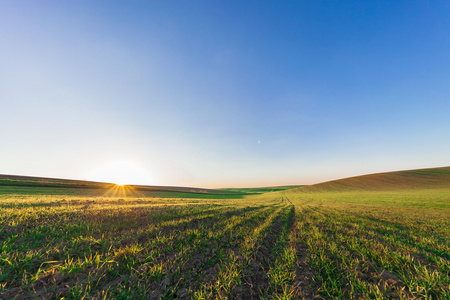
{"x": 224, "y": 93}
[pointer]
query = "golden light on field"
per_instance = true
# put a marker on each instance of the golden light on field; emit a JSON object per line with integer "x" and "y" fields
{"x": 122, "y": 191}
{"x": 121, "y": 173}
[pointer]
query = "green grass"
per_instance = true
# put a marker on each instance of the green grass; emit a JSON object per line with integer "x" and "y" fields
{"x": 128, "y": 248}
{"x": 377, "y": 244}
{"x": 287, "y": 244}
{"x": 11, "y": 184}
{"x": 6, "y": 191}
{"x": 261, "y": 190}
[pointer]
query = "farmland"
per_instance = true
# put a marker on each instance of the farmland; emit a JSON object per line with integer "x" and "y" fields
{"x": 344, "y": 239}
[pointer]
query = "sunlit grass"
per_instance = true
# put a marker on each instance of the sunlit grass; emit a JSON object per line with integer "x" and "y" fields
{"x": 377, "y": 244}
{"x": 277, "y": 245}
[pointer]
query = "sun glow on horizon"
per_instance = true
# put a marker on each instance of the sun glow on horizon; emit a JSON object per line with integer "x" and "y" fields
{"x": 122, "y": 191}
{"x": 122, "y": 173}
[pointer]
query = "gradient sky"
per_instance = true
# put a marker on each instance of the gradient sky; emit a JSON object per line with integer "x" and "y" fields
{"x": 223, "y": 93}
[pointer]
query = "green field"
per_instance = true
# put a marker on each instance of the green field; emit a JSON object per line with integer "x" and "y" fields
{"x": 347, "y": 239}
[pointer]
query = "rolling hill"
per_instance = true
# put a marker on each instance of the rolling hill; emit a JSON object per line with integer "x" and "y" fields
{"x": 410, "y": 179}
{"x": 42, "y": 182}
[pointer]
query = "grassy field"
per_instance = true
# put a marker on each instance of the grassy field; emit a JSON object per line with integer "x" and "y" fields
{"x": 291, "y": 243}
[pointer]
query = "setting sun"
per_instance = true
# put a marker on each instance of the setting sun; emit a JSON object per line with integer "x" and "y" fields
{"x": 121, "y": 173}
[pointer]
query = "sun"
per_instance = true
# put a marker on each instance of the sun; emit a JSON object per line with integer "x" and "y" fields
{"x": 121, "y": 173}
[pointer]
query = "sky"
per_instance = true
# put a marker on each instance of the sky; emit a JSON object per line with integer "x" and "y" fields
{"x": 223, "y": 93}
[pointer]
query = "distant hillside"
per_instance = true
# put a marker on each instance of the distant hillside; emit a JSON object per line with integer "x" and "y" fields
{"x": 260, "y": 190}
{"x": 423, "y": 178}
{"x": 30, "y": 181}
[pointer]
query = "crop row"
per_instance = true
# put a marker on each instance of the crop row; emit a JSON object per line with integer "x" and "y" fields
{"x": 356, "y": 252}
{"x": 127, "y": 250}
{"x": 270, "y": 246}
